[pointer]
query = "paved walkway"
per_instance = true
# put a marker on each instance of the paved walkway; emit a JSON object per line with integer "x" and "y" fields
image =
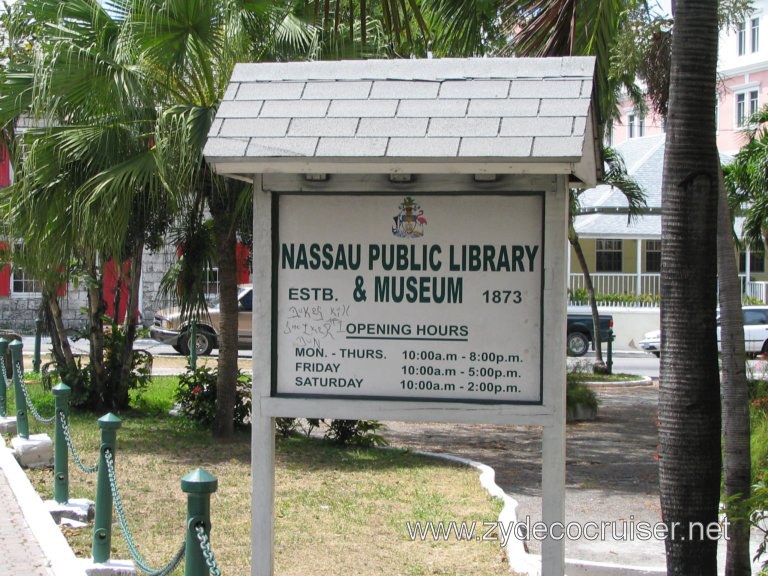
{"x": 31, "y": 544}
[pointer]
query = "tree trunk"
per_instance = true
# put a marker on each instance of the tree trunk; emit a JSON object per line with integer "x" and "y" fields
{"x": 96, "y": 338}
{"x": 736, "y": 445}
{"x": 573, "y": 238}
{"x": 61, "y": 350}
{"x": 129, "y": 322}
{"x": 224, "y": 224}
{"x": 689, "y": 390}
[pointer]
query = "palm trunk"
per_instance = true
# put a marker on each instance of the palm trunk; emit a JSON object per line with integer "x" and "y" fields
{"x": 689, "y": 389}
{"x": 61, "y": 349}
{"x": 736, "y": 445}
{"x": 96, "y": 339}
{"x": 224, "y": 223}
{"x": 573, "y": 238}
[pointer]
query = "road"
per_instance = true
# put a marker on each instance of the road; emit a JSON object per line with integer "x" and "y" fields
{"x": 628, "y": 363}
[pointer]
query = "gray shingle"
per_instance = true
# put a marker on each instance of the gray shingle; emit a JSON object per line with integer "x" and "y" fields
{"x": 551, "y": 147}
{"x": 323, "y": 127}
{"x": 545, "y": 89}
{"x": 404, "y": 89}
{"x": 244, "y": 109}
{"x": 496, "y": 147}
{"x": 392, "y": 127}
{"x": 579, "y": 125}
{"x": 330, "y": 147}
{"x": 464, "y": 127}
{"x": 231, "y": 92}
{"x": 349, "y": 90}
{"x": 474, "y": 89}
{"x": 586, "y": 88}
{"x": 536, "y": 126}
{"x": 423, "y": 147}
{"x": 432, "y": 108}
{"x": 270, "y": 91}
{"x": 277, "y": 147}
{"x": 225, "y": 147}
{"x": 360, "y": 108}
{"x": 500, "y": 107}
{"x": 437, "y": 69}
{"x": 215, "y": 127}
{"x": 254, "y": 127}
{"x": 569, "y": 107}
{"x": 295, "y": 109}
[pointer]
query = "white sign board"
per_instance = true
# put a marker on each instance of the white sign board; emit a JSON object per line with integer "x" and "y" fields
{"x": 417, "y": 298}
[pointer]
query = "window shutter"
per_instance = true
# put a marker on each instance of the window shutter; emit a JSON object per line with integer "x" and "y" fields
{"x": 241, "y": 256}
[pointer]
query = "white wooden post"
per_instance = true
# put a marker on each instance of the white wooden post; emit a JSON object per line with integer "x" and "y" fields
{"x": 263, "y": 429}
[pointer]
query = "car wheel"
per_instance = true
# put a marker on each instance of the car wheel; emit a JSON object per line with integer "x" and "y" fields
{"x": 179, "y": 349}
{"x": 577, "y": 344}
{"x": 657, "y": 354}
{"x": 203, "y": 345}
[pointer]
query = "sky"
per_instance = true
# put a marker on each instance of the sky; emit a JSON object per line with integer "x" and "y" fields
{"x": 664, "y": 6}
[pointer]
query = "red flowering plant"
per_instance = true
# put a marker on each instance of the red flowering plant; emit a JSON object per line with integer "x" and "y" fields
{"x": 196, "y": 396}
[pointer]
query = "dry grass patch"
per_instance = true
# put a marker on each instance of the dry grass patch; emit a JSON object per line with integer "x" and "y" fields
{"x": 338, "y": 510}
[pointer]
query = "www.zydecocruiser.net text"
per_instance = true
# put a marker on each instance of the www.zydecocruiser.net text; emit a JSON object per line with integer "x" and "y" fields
{"x": 624, "y": 530}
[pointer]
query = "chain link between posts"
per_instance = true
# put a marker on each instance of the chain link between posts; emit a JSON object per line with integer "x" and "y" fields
{"x": 28, "y": 400}
{"x": 205, "y": 547}
{"x": 118, "y": 502}
{"x": 71, "y": 446}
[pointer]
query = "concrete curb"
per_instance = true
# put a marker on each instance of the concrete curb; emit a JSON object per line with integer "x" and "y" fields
{"x": 642, "y": 381}
{"x": 52, "y": 541}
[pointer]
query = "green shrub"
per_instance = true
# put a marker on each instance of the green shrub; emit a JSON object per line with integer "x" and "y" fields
{"x": 355, "y": 432}
{"x": 114, "y": 395}
{"x": 196, "y": 396}
{"x": 576, "y": 393}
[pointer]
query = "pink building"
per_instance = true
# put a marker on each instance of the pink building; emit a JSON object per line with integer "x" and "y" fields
{"x": 742, "y": 86}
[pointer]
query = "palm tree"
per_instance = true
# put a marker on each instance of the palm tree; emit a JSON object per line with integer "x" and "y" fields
{"x": 689, "y": 390}
{"x": 85, "y": 180}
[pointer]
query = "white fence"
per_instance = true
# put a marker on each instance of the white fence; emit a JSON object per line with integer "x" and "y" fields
{"x": 618, "y": 283}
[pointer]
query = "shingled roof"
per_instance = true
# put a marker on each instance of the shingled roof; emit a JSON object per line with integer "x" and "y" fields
{"x": 494, "y": 115}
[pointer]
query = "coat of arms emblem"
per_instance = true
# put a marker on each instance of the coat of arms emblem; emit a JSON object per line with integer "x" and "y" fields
{"x": 410, "y": 221}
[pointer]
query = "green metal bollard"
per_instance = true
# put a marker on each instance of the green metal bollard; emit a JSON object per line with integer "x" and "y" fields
{"x": 193, "y": 345}
{"x": 610, "y": 351}
{"x": 36, "y": 357}
{"x": 22, "y": 422}
{"x": 102, "y": 522}
{"x": 3, "y": 381}
{"x": 60, "y": 454}
{"x": 198, "y": 485}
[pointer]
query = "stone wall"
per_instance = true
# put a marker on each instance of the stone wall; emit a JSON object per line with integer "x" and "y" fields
{"x": 19, "y": 312}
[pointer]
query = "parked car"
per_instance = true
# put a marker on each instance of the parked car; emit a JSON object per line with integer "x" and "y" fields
{"x": 169, "y": 329}
{"x": 755, "y": 333}
{"x": 580, "y": 332}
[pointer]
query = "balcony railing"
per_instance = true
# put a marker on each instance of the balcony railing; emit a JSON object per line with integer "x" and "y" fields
{"x": 614, "y": 283}
{"x": 648, "y": 284}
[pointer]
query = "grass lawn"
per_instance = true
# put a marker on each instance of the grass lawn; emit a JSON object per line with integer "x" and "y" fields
{"x": 337, "y": 510}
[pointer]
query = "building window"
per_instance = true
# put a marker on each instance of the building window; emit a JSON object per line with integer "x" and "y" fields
{"x": 211, "y": 282}
{"x": 608, "y": 256}
{"x": 717, "y": 113}
{"x": 636, "y": 125}
{"x": 746, "y": 105}
{"x": 653, "y": 255}
{"x": 741, "y": 38}
{"x": 755, "y": 35}
{"x": 756, "y": 261}
{"x": 22, "y": 283}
